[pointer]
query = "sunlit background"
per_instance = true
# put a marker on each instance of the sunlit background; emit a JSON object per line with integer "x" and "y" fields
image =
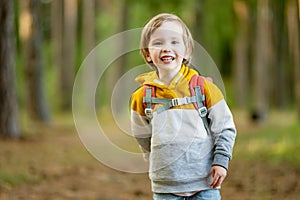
{"x": 43, "y": 43}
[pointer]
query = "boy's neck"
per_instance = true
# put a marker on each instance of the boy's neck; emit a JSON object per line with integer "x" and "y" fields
{"x": 167, "y": 76}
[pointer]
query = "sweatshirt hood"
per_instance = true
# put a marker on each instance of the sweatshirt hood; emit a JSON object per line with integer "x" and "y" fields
{"x": 151, "y": 78}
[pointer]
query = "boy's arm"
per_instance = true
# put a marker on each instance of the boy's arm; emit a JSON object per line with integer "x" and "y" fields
{"x": 221, "y": 126}
{"x": 223, "y": 131}
{"x": 140, "y": 125}
{"x": 141, "y": 130}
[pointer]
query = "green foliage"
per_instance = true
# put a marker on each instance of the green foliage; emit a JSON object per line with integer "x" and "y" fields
{"x": 13, "y": 179}
{"x": 218, "y": 31}
{"x": 212, "y": 23}
{"x": 273, "y": 143}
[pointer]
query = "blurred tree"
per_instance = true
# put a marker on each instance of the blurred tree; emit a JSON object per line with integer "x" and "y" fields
{"x": 198, "y": 7}
{"x": 64, "y": 29}
{"x": 88, "y": 26}
{"x": 280, "y": 94}
{"x": 226, "y": 32}
{"x": 262, "y": 61}
{"x": 122, "y": 63}
{"x": 297, "y": 61}
{"x": 57, "y": 40}
{"x": 241, "y": 54}
{"x": 119, "y": 66}
{"x": 32, "y": 38}
{"x": 293, "y": 19}
{"x": 218, "y": 32}
{"x": 88, "y": 40}
{"x": 67, "y": 69}
{"x": 123, "y": 26}
{"x": 9, "y": 122}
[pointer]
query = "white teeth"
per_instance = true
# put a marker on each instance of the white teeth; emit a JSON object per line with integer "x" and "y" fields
{"x": 167, "y": 59}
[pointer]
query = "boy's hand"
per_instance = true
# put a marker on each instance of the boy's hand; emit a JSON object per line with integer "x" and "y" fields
{"x": 218, "y": 173}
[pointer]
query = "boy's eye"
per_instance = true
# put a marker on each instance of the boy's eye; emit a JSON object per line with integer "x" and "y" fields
{"x": 157, "y": 43}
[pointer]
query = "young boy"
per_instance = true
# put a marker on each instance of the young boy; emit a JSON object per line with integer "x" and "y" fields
{"x": 187, "y": 160}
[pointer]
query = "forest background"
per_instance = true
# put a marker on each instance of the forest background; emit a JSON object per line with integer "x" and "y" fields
{"x": 255, "y": 44}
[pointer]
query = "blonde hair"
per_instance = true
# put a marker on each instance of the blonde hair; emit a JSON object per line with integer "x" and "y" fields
{"x": 154, "y": 24}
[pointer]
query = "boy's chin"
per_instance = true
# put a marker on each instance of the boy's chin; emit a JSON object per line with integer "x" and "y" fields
{"x": 170, "y": 66}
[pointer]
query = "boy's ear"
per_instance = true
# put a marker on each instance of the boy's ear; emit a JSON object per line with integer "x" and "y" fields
{"x": 148, "y": 58}
{"x": 187, "y": 54}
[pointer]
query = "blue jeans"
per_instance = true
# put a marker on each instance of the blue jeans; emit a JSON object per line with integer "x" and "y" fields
{"x": 213, "y": 194}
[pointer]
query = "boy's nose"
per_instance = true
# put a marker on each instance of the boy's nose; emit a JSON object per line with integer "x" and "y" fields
{"x": 166, "y": 49}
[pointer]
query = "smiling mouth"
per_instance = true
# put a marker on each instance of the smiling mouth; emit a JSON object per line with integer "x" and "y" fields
{"x": 167, "y": 58}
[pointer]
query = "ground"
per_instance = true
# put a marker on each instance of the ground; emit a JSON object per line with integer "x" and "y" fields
{"x": 51, "y": 163}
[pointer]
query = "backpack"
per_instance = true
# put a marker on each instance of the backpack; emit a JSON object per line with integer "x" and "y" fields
{"x": 197, "y": 98}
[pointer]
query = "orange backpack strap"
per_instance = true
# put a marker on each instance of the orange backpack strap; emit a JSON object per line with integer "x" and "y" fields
{"x": 197, "y": 89}
{"x": 195, "y": 81}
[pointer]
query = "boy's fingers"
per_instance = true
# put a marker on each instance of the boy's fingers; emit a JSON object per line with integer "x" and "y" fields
{"x": 218, "y": 177}
{"x": 213, "y": 182}
{"x": 217, "y": 181}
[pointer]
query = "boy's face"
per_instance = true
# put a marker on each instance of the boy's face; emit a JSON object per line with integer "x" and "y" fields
{"x": 167, "y": 48}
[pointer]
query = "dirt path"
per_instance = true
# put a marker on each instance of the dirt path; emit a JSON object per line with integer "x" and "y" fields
{"x": 60, "y": 168}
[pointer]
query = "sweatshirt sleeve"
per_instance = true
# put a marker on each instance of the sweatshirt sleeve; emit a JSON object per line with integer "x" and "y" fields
{"x": 140, "y": 124}
{"x": 221, "y": 125}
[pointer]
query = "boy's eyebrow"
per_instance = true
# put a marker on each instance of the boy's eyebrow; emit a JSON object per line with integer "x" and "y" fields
{"x": 157, "y": 38}
{"x": 175, "y": 38}
{"x": 162, "y": 38}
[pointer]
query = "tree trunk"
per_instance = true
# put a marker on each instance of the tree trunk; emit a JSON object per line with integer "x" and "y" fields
{"x": 280, "y": 94}
{"x": 57, "y": 42}
{"x": 121, "y": 63}
{"x": 241, "y": 55}
{"x": 33, "y": 61}
{"x": 297, "y": 66}
{"x": 64, "y": 29}
{"x": 293, "y": 18}
{"x": 88, "y": 26}
{"x": 9, "y": 122}
{"x": 198, "y": 21}
{"x": 88, "y": 42}
{"x": 67, "y": 69}
{"x": 262, "y": 60}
